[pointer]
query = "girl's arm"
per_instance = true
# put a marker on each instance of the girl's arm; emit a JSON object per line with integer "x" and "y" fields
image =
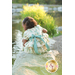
{"x": 24, "y": 41}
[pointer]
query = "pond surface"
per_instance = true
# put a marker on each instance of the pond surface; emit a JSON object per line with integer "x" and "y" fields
{"x": 17, "y": 32}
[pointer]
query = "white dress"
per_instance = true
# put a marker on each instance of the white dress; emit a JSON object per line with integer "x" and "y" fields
{"x": 28, "y": 62}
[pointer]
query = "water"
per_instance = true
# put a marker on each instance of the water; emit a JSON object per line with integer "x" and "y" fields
{"x": 17, "y": 29}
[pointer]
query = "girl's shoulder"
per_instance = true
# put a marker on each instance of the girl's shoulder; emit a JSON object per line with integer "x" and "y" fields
{"x": 33, "y": 30}
{"x": 38, "y": 25}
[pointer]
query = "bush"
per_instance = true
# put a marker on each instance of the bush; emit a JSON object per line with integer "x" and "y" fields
{"x": 42, "y": 18}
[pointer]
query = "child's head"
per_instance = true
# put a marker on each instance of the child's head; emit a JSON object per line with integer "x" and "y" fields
{"x": 28, "y": 23}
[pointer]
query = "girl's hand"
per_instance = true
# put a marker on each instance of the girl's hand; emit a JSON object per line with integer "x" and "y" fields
{"x": 24, "y": 41}
{"x": 23, "y": 45}
{"x": 44, "y": 31}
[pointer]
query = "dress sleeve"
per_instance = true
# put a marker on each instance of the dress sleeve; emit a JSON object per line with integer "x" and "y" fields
{"x": 41, "y": 27}
{"x": 26, "y": 36}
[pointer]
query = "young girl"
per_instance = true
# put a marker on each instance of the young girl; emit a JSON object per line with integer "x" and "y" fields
{"x": 36, "y": 50}
{"x": 35, "y": 37}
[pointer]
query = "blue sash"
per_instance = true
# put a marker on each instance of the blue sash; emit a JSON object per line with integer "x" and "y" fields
{"x": 35, "y": 44}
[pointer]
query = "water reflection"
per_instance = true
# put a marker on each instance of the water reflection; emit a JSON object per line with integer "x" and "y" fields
{"x": 17, "y": 32}
{"x": 18, "y": 40}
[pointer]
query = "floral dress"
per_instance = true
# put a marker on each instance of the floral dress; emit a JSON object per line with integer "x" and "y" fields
{"x": 29, "y": 45}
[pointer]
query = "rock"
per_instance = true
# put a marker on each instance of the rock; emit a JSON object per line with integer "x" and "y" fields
{"x": 26, "y": 63}
{"x": 58, "y": 44}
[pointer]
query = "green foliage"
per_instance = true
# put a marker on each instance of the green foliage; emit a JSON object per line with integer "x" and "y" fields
{"x": 42, "y": 18}
{"x": 58, "y": 34}
{"x": 38, "y": 1}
